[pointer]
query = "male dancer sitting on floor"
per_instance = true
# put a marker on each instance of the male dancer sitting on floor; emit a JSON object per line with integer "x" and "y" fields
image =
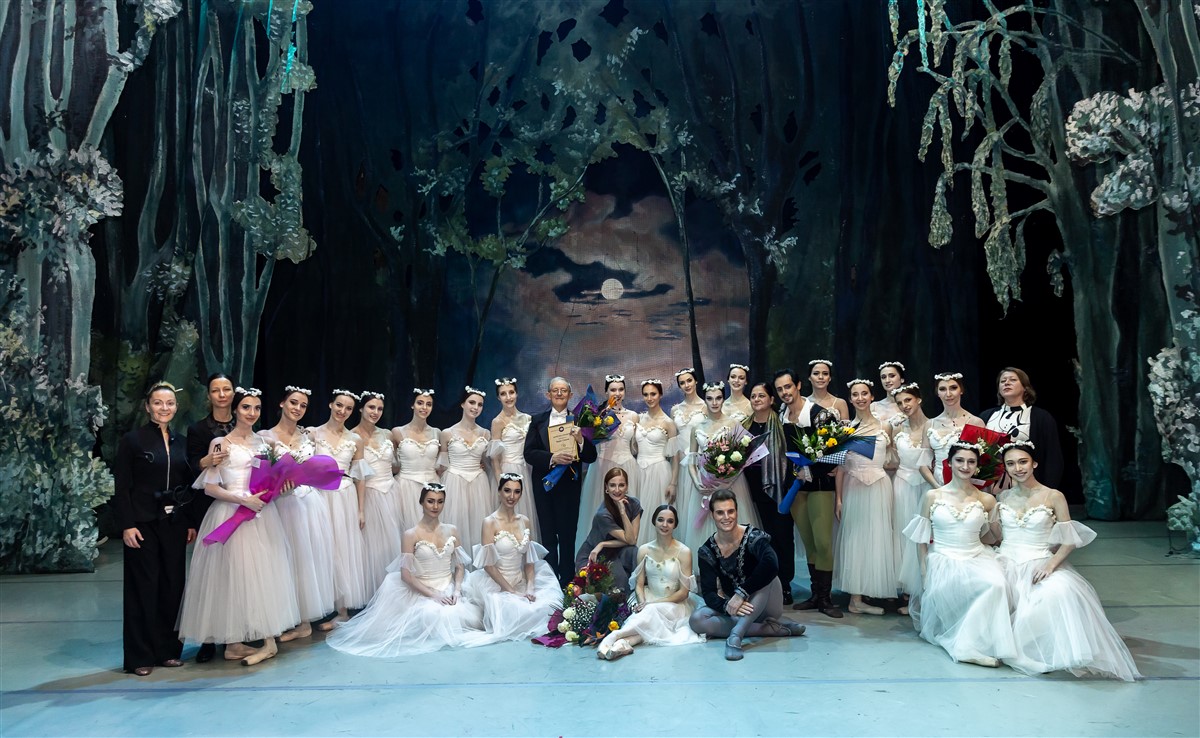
{"x": 738, "y": 581}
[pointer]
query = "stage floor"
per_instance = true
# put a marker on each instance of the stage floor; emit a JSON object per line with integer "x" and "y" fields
{"x": 60, "y": 656}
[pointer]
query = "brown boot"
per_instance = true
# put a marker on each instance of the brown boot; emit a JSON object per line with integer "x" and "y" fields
{"x": 824, "y": 598}
{"x": 811, "y": 603}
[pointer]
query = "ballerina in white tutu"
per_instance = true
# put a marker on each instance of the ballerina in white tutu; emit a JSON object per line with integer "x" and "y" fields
{"x": 655, "y": 445}
{"x": 737, "y": 406}
{"x": 242, "y": 589}
{"x": 663, "y": 581}
{"x": 864, "y": 553}
{"x": 418, "y": 445}
{"x": 378, "y": 493}
{"x": 345, "y": 512}
{"x": 963, "y": 603}
{"x": 1057, "y": 618}
{"x": 944, "y": 429}
{"x": 468, "y": 489}
{"x": 616, "y": 451}
{"x": 909, "y": 485}
{"x": 305, "y": 515}
{"x": 420, "y": 605}
{"x": 516, "y": 587}
{"x": 509, "y": 429}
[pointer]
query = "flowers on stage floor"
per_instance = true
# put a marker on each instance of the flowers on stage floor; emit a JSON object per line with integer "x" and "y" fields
{"x": 598, "y": 420}
{"x": 268, "y": 479}
{"x": 826, "y": 443}
{"x": 594, "y": 607}
{"x": 991, "y": 462}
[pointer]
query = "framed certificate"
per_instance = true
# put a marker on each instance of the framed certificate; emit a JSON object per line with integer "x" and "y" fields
{"x": 561, "y": 440}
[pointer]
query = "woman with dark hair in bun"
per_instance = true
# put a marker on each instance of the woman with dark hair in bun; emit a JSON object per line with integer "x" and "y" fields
{"x": 345, "y": 511}
{"x": 663, "y": 582}
{"x": 378, "y": 493}
{"x": 202, "y": 455}
{"x": 152, "y": 475}
{"x": 464, "y": 454}
{"x": 509, "y": 429}
{"x": 616, "y": 451}
{"x": 420, "y": 606}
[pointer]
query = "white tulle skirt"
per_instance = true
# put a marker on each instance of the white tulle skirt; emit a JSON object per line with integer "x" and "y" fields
{"x": 696, "y": 525}
{"x": 381, "y": 530}
{"x": 908, "y": 562}
{"x": 468, "y": 502}
{"x": 403, "y": 622}
{"x": 652, "y": 483}
{"x": 408, "y": 500}
{"x": 963, "y": 607}
{"x": 1059, "y": 624}
{"x": 664, "y": 624}
{"x": 240, "y": 590}
{"x": 349, "y": 547}
{"x": 592, "y": 492}
{"x": 305, "y": 517}
{"x": 509, "y": 617}
{"x": 864, "y": 555}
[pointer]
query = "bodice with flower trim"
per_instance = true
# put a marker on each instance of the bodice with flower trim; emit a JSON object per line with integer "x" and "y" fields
{"x": 512, "y": 439}
{"x": 665, "y": 579}
{"x": 235, "y": 470}
{"x": 418, "y": 459}
{"x": 956, "y": 530}
{"x": 464, "y": 458}
{"x": 302, "y": 449}
{"x": 652, "y": 445}
{"x": 913, "y": 457}
{"x": 343, "y": 454}
{"x": 869, "y": 471}
{"x": 617, "y": 449}
{"x": 378, "y": 453}
{"x": 433, "y": 566}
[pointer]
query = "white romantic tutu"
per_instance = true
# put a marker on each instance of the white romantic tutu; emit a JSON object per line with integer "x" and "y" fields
{"x": 909, "y": 487}
{"x": 663, "y": 623}
{"x": 418, "y": 467}
{"x": 240, "y": 590}
{"x": 654, "y": 475}
{"x": 864, "y": 555}
{"x": 381, "y": 513}
{"x": 963, "y": 604}
{"x": 349, "y": 547}
{"x": 509, "y": 451}
{"x": 696, "y": 525}
{"x": 400, "y": 621}
{"x": 470, "y": 496}
{"x": 1058, "y": 623}
{"x": 507, "y": 616}
{"x": 305, "y": 517}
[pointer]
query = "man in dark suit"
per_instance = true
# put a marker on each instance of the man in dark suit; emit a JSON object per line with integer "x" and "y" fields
{"x": 557, "y": 508}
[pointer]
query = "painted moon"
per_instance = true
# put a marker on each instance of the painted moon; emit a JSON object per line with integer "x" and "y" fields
{"x": 612, "y": 289}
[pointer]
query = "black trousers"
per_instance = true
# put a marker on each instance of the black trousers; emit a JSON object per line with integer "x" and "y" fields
{"x": 154, "y": 577}
{"x": 778, "y": 525}
{"x": 558, "y": 516}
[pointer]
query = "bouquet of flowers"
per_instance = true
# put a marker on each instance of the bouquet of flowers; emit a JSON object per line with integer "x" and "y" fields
{"x": 321, "y": 472}
{"x": 726, "y": 454}
{"x": 991, "y": 465}
{"x": 599, "y": 420}
{"x": 593, "y": 608}
{"x": 827, "y": 443}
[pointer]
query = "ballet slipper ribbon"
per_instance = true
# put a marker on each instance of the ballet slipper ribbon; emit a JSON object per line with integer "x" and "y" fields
{"x": 321, "y": 472}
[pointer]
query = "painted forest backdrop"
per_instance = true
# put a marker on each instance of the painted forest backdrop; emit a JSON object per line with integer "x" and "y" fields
{"x": 399, "y": 194}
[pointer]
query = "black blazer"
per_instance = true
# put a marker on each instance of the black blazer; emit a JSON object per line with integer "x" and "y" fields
{"x": 1043, "y": 433}
{"x": 144, "y": 466}
{"x": 537, "y": 452}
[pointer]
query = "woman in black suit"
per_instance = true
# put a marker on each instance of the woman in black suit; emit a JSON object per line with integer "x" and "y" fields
{"x": 152, "y": 484}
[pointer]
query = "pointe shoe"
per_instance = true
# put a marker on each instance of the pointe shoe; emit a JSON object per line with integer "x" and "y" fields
{"x": 237, "y": 651}
{"x": 902, "y": 610}
{"x": 987, "y": 661}
{"x": 300, "y": 631}
{"x": 619, "y": 649}
{"x": 733, "y": 648}
{"x": 266, "y": 652}
{"x": 864, "y": 609}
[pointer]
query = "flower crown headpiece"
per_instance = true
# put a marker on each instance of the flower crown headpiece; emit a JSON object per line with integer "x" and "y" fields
{"x": 248, "y": 392}
{"x": 1023, "y": 445}
{"x": 419, "y": 391}
{"x": 827, "y": 362}
{"x": 656, "y": 382}
{"x": 714, "y": 386}
{"x": 853, "y": 382}
{"x": 947, "y": 376}
{"x": 474, "y": 391}
{"x": 505, "y": 380}
{"x": 369, "y": 393}
{"x": 614, "y": 378}
{"x": 347, "y": 393}
{"x": 511, "y": 477}
{"x": 966, "y": 446}
{"x": 743, "y": 367}
{"x": 905, "y": 388}
{"x": 434, "y": 487}
{"x": 896, "y": 364}
{"x": 690, "y": 370}
{"x": 293, "y": 388}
